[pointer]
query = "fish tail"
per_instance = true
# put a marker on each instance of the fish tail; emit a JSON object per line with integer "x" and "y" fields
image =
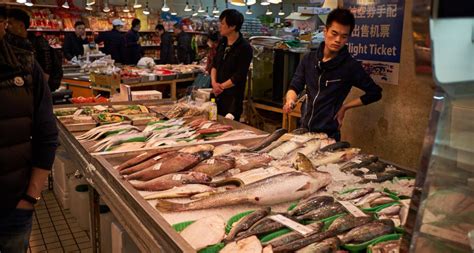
{"x": 168, "y": 206}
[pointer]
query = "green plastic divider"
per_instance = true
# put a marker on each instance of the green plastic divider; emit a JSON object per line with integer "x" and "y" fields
{"x": 236, "y": 218}
{"x": 178, "y": 227}
{"x": 273, "y": 235}
{"x": 363, "y": 246}
{"x": 213, "y": 248}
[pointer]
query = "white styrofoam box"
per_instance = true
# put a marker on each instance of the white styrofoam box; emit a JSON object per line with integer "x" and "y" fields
{"x": 106, "y": 220}
{"x": 146, "y": 95}
{"x": 121, "y": 241}
{"x": 62, "y": 194}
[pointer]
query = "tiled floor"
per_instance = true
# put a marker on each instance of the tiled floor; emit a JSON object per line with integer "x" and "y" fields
{"x": 56, "y": 230}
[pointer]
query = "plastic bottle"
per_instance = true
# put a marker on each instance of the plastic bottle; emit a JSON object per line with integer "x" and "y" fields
{"x": 213, "y": 110}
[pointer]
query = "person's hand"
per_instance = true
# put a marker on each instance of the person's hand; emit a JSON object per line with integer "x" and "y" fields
{"x": 217, "y": 88}
{"x": 289, "y": 106}
{"x": 23, "y": 204}
{"x": 340, "y": 116}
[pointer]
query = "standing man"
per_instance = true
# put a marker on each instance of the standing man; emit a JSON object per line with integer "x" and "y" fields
{"x": 133, "y": 50}
{"x": 329, "y": 74}
{"x": 114, "y": 42}
{"x": 28, "y": 141}
{"x": 47, "y": 57}
{"x": 166, "y": 45}
{"x": 183, "y": 48}
{"x": 73, "y": 43}
{"x": 231, "y": 65}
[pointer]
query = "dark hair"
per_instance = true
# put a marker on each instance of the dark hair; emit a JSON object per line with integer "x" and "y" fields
{"x": 159, "y": 27}
{"x": 20, "y": 15}
{"x": 341, "y": 16}
{"x": 232, "y": 18}
{"x": 78, "y": 23}
{"x": 3, "y": 12}
{"x": 178, "y": 26}
{"x": 135, "y": 22}
{"x": 213, "y": 36}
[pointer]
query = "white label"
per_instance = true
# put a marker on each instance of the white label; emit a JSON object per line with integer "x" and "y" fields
{"x": 292, "y": 224}
{"x": 371, "y": 176}
{"x": 157, "y": 166}
{"x": 156, "y": 158}
{"x": 207, "y": 125}
{"x": 100, "y": 108}
{"x": 177, "y": 177}
{"x": 243, "y": 161}
{"x": 142, "y": 155}
{"x": 299, "y": 139}
{"x": 210, "y": 161}
{"x": 78, "y": 112}
{"x": 351, "y": 208}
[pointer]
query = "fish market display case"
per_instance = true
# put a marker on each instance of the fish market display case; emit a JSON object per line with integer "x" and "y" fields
{"x": 441, "y": 217}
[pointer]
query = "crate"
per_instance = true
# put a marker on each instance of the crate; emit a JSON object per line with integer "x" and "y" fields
{"x": 105, "y": 81}
{"x": 148, "y": 78}
{"x": 166, "y": 77}
{"x": 131, "y": 80}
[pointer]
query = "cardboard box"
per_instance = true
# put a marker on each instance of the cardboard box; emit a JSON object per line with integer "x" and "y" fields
{"x": 146, "y": 95}
{"x": 105, "y": 81}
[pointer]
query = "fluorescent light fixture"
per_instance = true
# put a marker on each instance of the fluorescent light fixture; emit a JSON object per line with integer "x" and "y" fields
{"x": 215, "y": 10}
{"x": 21, "y": 1}
{"x": 106, "y": 9}
{"x": 201, "y": 10}
{"x": 165, "y": 7}
{"x": 28, "y": 3}
{"x": 249, "y": 11}
{"x": 187, "y": 8}
{"x": 281, "y": 13}
{"x": 65, "y": 5}
{"x": 146, "y": 11}
{"x": 90, "y": 2}
{"x": 243, "y": 2}
{"x": 126, "y": 10}
{"x": 274, "y": 1}
{"x": 265, "y": 2}
{"x": 269, "y": 11}
{"x": 137, "y": 5}
{"x": 89, "y": 8}
{"x": 173, "y": 13}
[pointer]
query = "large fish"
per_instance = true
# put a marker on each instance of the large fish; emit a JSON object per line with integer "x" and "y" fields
{"x": 117, "y": 139}
{"x": 96, "y": 133}
{"x": 198, "y": 148}
{"x": 246, "y": 222}
{"x": 226, "y": 149}
{"x": 169, "y": 181}
{"x": 347, "y": 222}
{"x": 139, "y": 159}
{"x": 356, "y": 193}
{"x": 310, "y": 204}
{"x": 215, "y": 165}
{"x": 323, "y": 212}
{"x": 268, "y": 140}
{"x": 330, "y": 245}
{"x": 247, "y": 245}
{"x": 309, "y": 148}
{"x": 213, "y": 228}
{"x": 284, "y": 149}
{"x": 305, "y": 241}
{"x": 251, "y": 176}
{"x": 182, "y": 161}
{"x": 293, "y": 236}
{"x": 368, "y": 231}
{"x": 335, "y": 157}
{"x": 152, "y": 160}
{"x": 180, "y": 191}
{"x": 364, "y": 161}
{"x": 273, "y": 190}
{"x": 284, "y": 138}
{"x": 265, "y": 225}
{"x": 248, "y": 161}
{"x": 336, "y": 146}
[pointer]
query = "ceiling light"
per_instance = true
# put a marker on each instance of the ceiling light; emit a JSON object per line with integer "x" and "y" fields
{"x": 201, "y": 10}
{"x": 249, "y": 11}
{"x": 126, "y": 10}
{"x": 243, "y": 2}
{"x": 281, "y": 13}
{"x": 173, "y": 13}
{"x": 65, "y": 5}
{"x": 274, "y": 1}
{"x": 146, "y": 11}
{"x": 137, "y": 5}
{"x": 90, "y": 2}
{"x": 269, "y": 11}
{"x": 28, "y": 3}
{"x": 106, "y": 9}
{"x": 165, "y": 7}
{"x": 89, "y": 8}
{"x": 265, "y": 2}
{"x": 215, "y": 10}
{"x": 21, "y": 1}
{"x": 187, "y": 9}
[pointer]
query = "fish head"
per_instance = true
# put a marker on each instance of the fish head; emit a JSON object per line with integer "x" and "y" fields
{"x": 303, "y": 163}
{"x": 200, "y": 177}
{"x": 203, "y": 155}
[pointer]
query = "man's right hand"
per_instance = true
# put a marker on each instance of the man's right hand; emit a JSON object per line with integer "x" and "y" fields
{"x": 217, "y": 89}
{"x": 289, "y": 106}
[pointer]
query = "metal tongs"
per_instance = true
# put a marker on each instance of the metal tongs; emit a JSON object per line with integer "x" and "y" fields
{"x": 301, "y": 98}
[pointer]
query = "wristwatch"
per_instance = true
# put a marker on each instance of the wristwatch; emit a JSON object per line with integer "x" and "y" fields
{"x": 30, "y": 199}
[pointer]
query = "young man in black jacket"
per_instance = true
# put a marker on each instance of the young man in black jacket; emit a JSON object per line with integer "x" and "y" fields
{"x": 47, "y": 57}
{"x": 166, "y": 45}
{"x": 329, "y": 74}
{"x": 184, "y": 50}
{"x": 114, "y": 41}
{"x": 231, "y": 65}
{"x": 28, "y": 140}
{"x": 73, "y": 43}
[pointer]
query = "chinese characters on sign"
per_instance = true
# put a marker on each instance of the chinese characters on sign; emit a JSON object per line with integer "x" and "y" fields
{"x": 377, "y": 37}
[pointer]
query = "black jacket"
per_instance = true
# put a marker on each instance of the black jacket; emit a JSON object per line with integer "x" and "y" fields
{"x": 133, "y": 50}
{"x": 114, "y": 44}
{"x": 184, "y": 49}
{"x": 327, "y": 85}
{"x": 167, "y": 49}
{"x": 73, "y": 46}
{"x": 28, "y": 133}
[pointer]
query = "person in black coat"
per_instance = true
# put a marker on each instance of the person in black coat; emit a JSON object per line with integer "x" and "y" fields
{"x": 184, "y": 50}
{"x": 166, "y": 46}
{"x": 114, "y": 42}
{"x": 73, "y": 42}
{"x": 133, "y": 50}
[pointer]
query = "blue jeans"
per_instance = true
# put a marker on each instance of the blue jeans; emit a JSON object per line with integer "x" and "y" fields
{"x": 15, "y": 229}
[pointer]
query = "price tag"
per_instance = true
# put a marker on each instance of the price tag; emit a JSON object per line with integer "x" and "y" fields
{"x": 371, "y": 176}
{"x": 207, "y": 125}
{"x": 100, "y": 108}
{"x": 303, "y": 230}
{"x": 210, "y": 161}
{"x": 156, "y": 158}
{"x": 177, "y": 177}
{"x": 351, "y": 208}
{"x": 157, "y": 166}
{"x": 78, "y": 112}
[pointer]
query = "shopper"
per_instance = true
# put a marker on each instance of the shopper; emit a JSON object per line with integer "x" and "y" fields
{"x": 28, "y": 140}
{"x": 74, "y": 42}
{"x": 329, "y": 74}
{"x": 212, "y": 43}
{"x": 183, "y": 49}
{"x": 114, "y": 42}
{"x": 231, "y": 65}
{"x": 133, "y": 50}
{"x": 47, "y": 57}
{"x": 166, "y": 45}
